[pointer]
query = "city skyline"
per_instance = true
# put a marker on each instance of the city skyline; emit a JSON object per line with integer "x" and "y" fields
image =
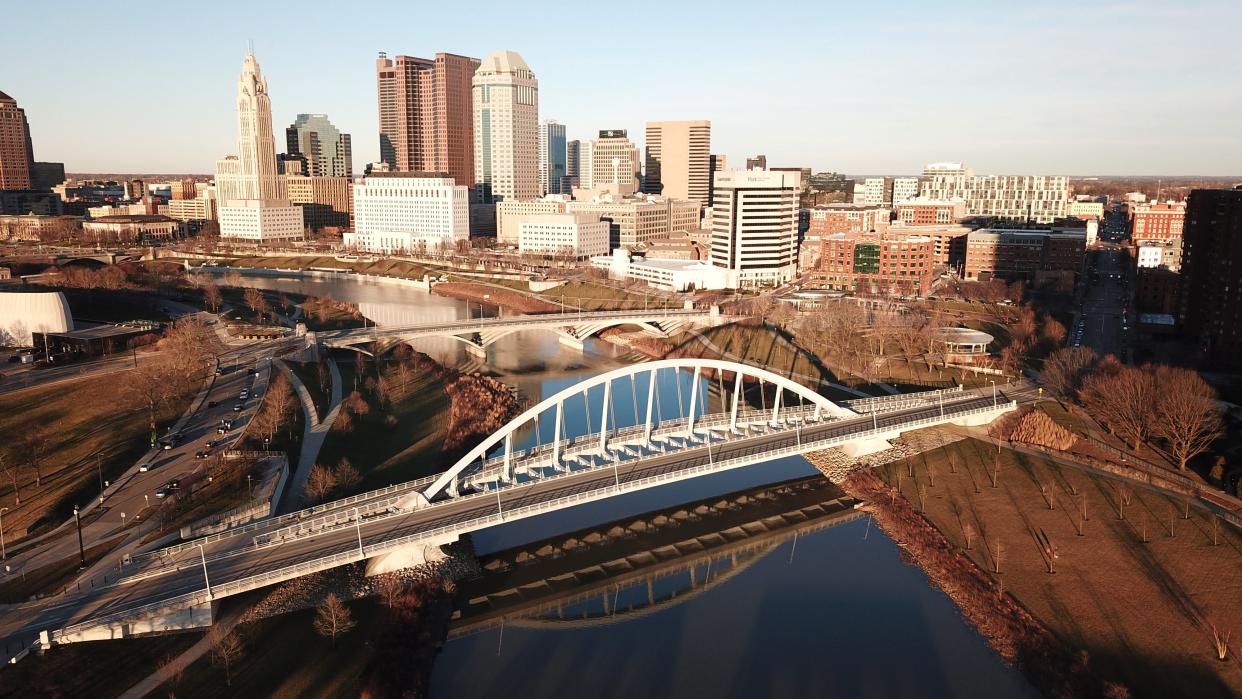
{"x": 958, "y": 82}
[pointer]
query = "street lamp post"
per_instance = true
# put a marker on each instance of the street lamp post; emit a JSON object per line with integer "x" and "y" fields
{"x": 4, "y": 556}
{"x": 358, "y": 528}
{"x": 81, "y": 548}
{"x": 206, "y": 580}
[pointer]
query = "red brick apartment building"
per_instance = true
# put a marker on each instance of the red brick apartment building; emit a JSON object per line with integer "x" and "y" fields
{"x": 875, "y": 264}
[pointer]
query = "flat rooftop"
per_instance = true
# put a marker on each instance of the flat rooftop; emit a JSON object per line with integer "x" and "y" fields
{"x": 104, "y": 330}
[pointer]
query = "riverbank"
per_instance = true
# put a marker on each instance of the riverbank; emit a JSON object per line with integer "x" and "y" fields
{"x": 1080, "y": 580}
{"x": 509, "y": 299}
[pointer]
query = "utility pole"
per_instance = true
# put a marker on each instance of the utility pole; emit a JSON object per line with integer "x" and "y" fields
{"x": 81, "y": 548}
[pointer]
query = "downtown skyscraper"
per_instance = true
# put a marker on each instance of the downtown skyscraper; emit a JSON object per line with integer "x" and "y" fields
{"x": 506, "y": 128}
{"x": 251, "y": 174}
{"x": 553, "y": 165}
{"x": 426, "y": 123}
{"x": 326, "y": 149}
{"x": 679, "y": 160}
{"x": 16, "y": 152}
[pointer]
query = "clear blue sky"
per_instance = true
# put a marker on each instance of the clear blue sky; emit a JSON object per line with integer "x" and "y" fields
{"x": 1006, "y": 86}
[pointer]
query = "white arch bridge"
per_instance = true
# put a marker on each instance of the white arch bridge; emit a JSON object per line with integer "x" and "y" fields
{"x": 477, "y": 334}
{"x": 625, "y": 430}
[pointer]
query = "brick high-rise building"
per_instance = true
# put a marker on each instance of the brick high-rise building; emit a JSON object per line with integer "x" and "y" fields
{"x": 931, "y": 212}
{"x": 1211, "y": 303}
{"x": 1040, "y": 257}
{"x": 426, "y": 122}
{"x": 1162, "y": 222}
{"x": 847, "y": 218}
{"x": 16, "y": 152}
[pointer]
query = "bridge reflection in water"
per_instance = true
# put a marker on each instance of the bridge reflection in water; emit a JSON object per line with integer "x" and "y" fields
{"x": 634, "y": 567}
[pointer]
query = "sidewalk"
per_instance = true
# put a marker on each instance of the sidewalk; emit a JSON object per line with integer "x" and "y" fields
{"x": 314, "y": 432}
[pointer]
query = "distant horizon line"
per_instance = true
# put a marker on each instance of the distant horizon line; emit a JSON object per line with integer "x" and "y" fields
{"x": 847, "y": 175}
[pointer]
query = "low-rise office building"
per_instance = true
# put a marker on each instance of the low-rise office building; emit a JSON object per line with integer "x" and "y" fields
{"x": 260, "y": 221}
{"x": 635, "y": 221}
{"x": 875, "y": 264}
{"x": 671, "y": 275}
{"x": 1162, "y": 222}
{"x": 399, "y": 212}
{"x": 1040, "y": 257}
{"x": 921, "y": 211}
{"x": 576, "y": 236}
{"x": 32, "y": 228}
{"x": 510, "y": 213}
{"x": 141, "y": 228}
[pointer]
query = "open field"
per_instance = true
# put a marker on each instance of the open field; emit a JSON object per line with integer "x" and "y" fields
{"x": 90, "y": 434}
{"x": 1138, "y": 597}
{"x": 385, "y": 267}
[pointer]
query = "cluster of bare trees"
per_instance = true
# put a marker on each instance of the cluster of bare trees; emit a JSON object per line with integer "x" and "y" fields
{"x": 155, "y": 383}
{"x": 278, "y": 404}
{"x": 1029, "y": 335}
{"x": 1146, "y": 404}
{"x": 324, "y": 481}
{"x": 257, "y": 302}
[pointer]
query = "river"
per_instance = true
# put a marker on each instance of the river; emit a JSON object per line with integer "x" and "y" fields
{"x": 834, "y": 612}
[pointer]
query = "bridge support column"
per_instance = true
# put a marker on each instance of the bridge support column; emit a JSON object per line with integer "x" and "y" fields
{"x": 508, "y": 469}
{"x": 410, "y": 556}
{"x": 776, "y": 406}
{"x": 556, "y": 437}
{"x": 737, "y": 396}
{"x": 476, "y": 350}
{"x": 694, "y": 400}
{"x": 569, "y": 340}
{"x": 603, "y": 418}
{"x": 651, "y": 389}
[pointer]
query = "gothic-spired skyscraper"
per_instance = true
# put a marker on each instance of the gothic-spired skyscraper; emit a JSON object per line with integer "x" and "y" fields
{"x": 506, "y": 127}
{"x": 326, "y": 149}
{"x": 252, "y": 174}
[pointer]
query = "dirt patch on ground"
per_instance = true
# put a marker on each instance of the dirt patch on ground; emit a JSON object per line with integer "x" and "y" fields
{"x": 512, "y": 300}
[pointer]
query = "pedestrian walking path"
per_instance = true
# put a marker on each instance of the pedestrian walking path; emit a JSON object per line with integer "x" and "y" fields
{"x": 314, "y": 432}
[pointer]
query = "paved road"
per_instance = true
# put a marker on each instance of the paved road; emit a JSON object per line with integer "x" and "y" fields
{"x": 136, "y": 491}
{"x": 186, "y": 575}
{"x": 1101, "y": 321}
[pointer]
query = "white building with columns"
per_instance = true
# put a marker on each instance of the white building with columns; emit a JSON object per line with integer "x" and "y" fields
{"x": 403, "y": 212}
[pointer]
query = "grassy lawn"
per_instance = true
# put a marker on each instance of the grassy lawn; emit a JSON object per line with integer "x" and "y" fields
{"x": 385, "y": 267}
{"x": 88, "y": 430}
{"x": 99, "y": 669}
{"x": 599, "y": 297}
{"x": 1134, "y": 597}
{"x": 398, "y": 439}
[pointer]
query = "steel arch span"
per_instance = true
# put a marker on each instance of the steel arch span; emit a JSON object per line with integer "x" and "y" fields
{"x": 741, "y": 373}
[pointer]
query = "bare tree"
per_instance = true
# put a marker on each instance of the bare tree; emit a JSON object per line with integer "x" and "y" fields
{"x": 389, "y": 587}
{"x": 279, "y": 401}
{"x": 1123, "y": 401}
{"x": 34, "y": 446}
{"x": 1065, "y": 369}
{"x": 226, "y": 649}
{"x": 212, "y": 296}
{"x": 346, "y": 475}
{"x": 320, "y": 483}
{"x": 1220, "y": 641}
{"x": 9, "y": 466}
{"x": 1188, "y": 418}
{"x": 151, "y": 386}
{"x": 333, "y": 618}
{"x": 256, "y": 301}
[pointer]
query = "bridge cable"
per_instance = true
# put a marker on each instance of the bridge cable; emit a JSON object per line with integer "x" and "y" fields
{"x": 634, "y": 398}
{"x": 681, "y": 408}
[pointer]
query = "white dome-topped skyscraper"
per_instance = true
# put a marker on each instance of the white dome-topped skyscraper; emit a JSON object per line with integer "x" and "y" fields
{"x": 506, "y": 127}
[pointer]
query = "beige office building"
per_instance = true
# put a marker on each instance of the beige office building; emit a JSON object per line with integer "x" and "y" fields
{"x": 510, "y": 214}
{"x": 506, "y": 127}
{"x": 635, "y": 221}
{"x": 326, "y": 201}
{"x": 678, "y": 161}
{"x": 615, "y": 163}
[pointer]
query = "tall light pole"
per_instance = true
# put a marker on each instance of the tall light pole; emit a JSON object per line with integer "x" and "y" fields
{"x": 81, "y": 548}
{"x": 4, "y": 556}
{"x": 993, "y": 394}
{"x": 358, "y": 528}
{"x": 206, "y": 580}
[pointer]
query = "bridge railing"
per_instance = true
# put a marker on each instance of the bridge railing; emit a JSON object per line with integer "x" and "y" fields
{"x": 900, "y": 399}
{"x": 384, "y": 545}
{"x": 467, "y": 324}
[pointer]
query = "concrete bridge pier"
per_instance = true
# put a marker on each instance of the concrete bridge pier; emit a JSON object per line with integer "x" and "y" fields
{"x": 570, "y": 341}
{"x": 411, "y": 555}
{"x": 476, "y": 350}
